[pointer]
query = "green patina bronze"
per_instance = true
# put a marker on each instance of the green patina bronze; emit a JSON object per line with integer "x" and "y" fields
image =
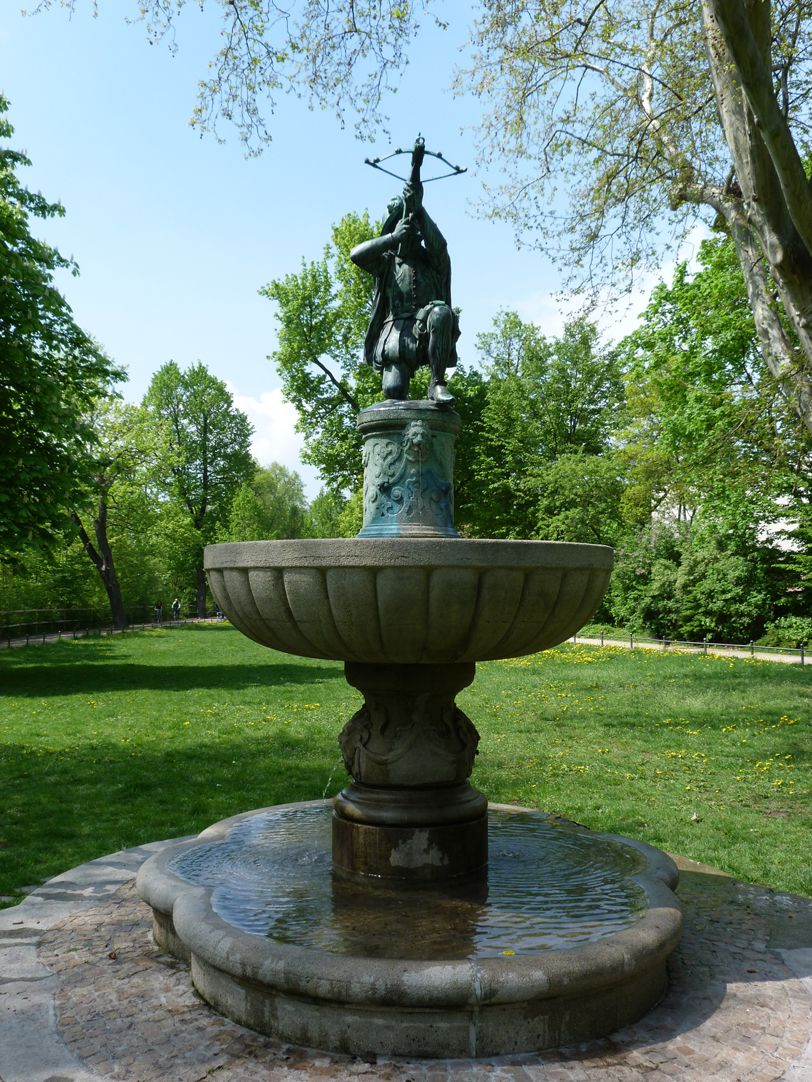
{"x": 412, "y": 323}
{"x": 408, "y": 462}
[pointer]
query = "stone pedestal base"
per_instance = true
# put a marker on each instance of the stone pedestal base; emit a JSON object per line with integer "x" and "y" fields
{"x": 410, "y": 812}
{"x": 430, "y": 853}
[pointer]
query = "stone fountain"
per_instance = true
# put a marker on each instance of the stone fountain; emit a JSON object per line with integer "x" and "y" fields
{"x": 406, "y": 917}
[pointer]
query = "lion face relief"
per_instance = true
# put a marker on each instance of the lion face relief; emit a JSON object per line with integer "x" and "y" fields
{"x": 417, "y": 441}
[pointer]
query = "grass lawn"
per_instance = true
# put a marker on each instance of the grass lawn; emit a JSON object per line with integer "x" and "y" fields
{"x": 106, "y": 743}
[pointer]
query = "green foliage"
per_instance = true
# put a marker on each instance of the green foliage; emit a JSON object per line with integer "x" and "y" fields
{"x": 351, "y": 516}
{"x": 713, "y": 455}
{"x": 207, "y": 459}
{"x": 176, "y": 549}
{"x": 208, "y": 442}
{"x": 42, "y": 579}
{"x": 604, "y": 108}
{"x": 795, "y": 534}
{"x": 545, "y": 398}
{"x": 323, "y": 313}
{"x": 271, "y": 505}
{"x": 680, "y": 581}
{"x": 791, "y": 631}
{"x": 578, "y": 498}
{"x": 51, "y": 372}
{"x": 708, "y": 426}
{"x": 470, "y": 390}
{"x": 323, "y": 514}
{"x": 113, "y": 518}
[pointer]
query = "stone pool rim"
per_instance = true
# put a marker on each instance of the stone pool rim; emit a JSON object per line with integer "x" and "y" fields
{"x": 430, "y": 1008}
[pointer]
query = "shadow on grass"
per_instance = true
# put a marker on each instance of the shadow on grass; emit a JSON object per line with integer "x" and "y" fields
{"x": 67, "y": 679}
{"x": 63, "y": 808}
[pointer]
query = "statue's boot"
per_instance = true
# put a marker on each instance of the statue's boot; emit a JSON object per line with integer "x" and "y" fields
{"x": 439, "y": 393}
{"x": 440, "y": 326}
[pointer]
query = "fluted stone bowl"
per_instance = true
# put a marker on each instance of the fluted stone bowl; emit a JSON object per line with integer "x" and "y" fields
{"x": 408, "y": 601}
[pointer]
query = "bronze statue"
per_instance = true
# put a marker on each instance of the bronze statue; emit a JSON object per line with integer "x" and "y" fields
{"x": 413, "y": 322}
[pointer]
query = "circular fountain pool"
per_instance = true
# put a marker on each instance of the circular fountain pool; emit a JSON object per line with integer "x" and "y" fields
{"x": 566, "y": 938}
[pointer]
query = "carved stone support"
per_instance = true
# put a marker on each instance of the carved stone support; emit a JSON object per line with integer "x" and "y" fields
{"x": 409, "y": 732}
{"x": 410, "y": 811}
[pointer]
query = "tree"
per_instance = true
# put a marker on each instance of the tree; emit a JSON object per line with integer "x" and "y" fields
{"x": 323, "y": 515}
{"x": 649, "y": 112}
{"x": 641, "y": 113}
{"x": 684, "y": 581}
{"x": 51, "y": 372}
{"x": 580, "y": 498}
{"x": 707, "y": 425}
{"x": 545, "y": 398}
{"x": 125, "y": 448}
{"x": 714, "y": 458}
{"x": 209, "y": 452}
{"x": 271, "y": 505}
{"x": 322, "y": 313}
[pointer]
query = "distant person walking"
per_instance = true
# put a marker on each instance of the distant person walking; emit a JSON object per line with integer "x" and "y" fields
{"x": 176, "y": 609}
{"x": 159, "y": 612}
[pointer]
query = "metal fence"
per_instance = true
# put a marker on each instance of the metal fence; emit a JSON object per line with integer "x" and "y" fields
{"x": 705, "y": 646}
{"x": 22, "y": 627}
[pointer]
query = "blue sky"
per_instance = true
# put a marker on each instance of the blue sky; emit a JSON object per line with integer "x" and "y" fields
{"x": 174, "y": 233}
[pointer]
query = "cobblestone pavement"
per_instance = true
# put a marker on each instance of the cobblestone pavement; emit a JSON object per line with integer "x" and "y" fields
{"x": 85, "y": 996}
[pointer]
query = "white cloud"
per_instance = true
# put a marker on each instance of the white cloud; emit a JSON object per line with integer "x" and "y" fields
{"x": 275, "y": 437}
{"x": 616, "y": 317}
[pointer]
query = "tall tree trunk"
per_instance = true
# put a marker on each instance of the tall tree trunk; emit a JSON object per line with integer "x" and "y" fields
{"x": 201, "y": 591}
{"x": 773, "y": 220}
{"x": 101, "y": 557}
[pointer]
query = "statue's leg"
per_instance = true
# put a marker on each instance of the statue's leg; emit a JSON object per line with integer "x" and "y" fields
{"x": 397, "y": 350}
{"x": 395, "y": 381}
{"x": 440, "y": 327}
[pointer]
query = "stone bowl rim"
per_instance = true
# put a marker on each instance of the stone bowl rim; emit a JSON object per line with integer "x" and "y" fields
{"x": 380, "y": 553}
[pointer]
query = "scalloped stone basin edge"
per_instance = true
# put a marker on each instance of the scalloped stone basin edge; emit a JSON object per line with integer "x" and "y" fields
{"x": 444, "y": 1007}
{"x": 408, "y": 601}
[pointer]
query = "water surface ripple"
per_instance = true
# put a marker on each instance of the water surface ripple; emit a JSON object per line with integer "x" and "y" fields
{"x": 550, "y": 885}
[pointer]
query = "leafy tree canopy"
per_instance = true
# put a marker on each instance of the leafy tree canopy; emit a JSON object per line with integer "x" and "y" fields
{"x": 51, "y": 372}
{"x": 545, "y": 398}
{"x": 322, "y": 314}
{"x": 708, "y": 426}
{"x": 613, "y": 120}
{"x": 271, "y": 505}
{"x": 116, "y": 508}
{"x": 682, "y": 581}
{"x": 208, "y": 454}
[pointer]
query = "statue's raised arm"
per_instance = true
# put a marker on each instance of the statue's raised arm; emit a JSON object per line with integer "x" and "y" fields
{"x": 412, "y": 322}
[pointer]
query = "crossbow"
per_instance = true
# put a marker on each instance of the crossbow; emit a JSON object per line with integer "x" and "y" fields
{"x": 417, "y": 152}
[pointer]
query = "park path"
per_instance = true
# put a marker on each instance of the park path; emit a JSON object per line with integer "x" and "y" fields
{"x": 739, "y": 651}
{"x": 83, "y": 633}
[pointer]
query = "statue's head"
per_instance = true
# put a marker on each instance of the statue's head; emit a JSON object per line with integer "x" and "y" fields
{"x": 394, "y": 212}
